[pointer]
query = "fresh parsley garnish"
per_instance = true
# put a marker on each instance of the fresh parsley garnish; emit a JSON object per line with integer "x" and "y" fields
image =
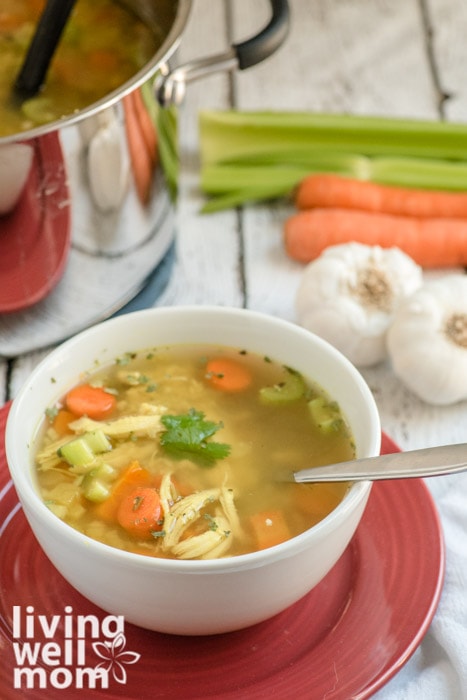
{"x": 187, "y": 436}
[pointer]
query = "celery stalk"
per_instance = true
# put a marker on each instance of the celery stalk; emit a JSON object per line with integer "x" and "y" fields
{"x": 217, "y": 179}
{"x": 421, "y": 173}
{"x": 165, "y": 121}
{"x": 251, "y": 156}
{"x": 236, "y": 198}
{"x": 168, "y": 147}
{"x": 231, "y": 134}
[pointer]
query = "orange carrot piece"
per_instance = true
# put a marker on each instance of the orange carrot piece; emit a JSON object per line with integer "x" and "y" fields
{"x": 269, "y": 528}
{"x": 9, "y": 21}
{"x": 429, "y": 242}
{"x": 140, "y": 512}
{"x": 227, "y": 374}
{"x": 133, "y": 475}
{"x": 92, "y": 401}
{"x": 103, "y": 60}
{"x": 62, "y": 420}
{"x": 336, "y": 191}
{"x": 316, "y": 500}
{"x": 140, "y": 158}
{"x": 147, "y": 126}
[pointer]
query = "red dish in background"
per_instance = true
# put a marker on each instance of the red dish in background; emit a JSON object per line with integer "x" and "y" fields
{"x": 35, "y": 236}
{"x": 345, "y": 639}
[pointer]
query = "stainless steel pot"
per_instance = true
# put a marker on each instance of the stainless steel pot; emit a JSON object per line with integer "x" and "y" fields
{"x": 73, "y": 181}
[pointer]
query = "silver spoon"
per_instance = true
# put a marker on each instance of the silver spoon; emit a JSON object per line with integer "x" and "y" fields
{"x": 431, "y": 461}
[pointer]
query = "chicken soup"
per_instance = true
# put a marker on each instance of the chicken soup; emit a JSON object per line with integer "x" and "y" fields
{"x": 186, "y": 452}
{"x": 104, "y": 44}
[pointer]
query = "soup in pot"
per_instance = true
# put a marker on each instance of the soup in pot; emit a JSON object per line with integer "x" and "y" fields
{"x": 186, "y": 452}
{"x": 104, "y": 44}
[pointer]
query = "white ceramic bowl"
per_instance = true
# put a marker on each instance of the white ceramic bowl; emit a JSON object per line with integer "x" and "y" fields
{"x": 192, "y": 597}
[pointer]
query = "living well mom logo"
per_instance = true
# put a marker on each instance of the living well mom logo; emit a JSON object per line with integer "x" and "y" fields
{"x": 68, "y": 650}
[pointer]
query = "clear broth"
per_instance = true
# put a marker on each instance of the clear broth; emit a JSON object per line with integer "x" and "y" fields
{"x": 267, "y": 441}
{"x": 102, "y": 47}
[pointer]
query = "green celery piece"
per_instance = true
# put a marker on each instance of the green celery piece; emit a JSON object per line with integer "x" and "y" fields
{"x": 291, "y": 389}
{"x": 325, "y": 415}
{"x": 40, "y": 110}
{"x": 217, "y": 179}
{"x": 421, "y": 173}
{"x": 230, "y": 185}
{"x": 165, "y": 120}
{"x": 238, "y": 198}
{"x": 316, "y": 157}
{"x": 97, "y": 441}
{"x": 253, "y": 156}
{"x": 147, "y": 93}
{"x": 257, "y": 180}
{"x": 230, "y": 134}
{"x": 168, "y": 147}
{"x": 81, "y": 451}
{"x": 95, "y": 490}
{"x": 77, "y": 452}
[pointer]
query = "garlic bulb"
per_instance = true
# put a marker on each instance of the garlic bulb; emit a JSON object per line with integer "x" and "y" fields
{"x": 427, "y": 341}
{"x": 349, "y": 294}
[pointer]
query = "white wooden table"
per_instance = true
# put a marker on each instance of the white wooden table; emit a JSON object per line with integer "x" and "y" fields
{"x": 382, "y": 57}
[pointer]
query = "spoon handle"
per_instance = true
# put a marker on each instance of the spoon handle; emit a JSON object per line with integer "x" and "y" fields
{"x": 47, "y": 35}
{"x": 431, "y": 461}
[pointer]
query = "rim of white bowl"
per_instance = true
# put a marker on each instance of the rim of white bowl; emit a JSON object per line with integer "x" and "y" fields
{"x": 23, "y": 478}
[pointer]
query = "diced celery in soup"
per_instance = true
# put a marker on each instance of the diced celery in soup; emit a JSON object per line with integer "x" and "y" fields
{"x": 184, "y": 452}
{"x": 103, "y": 45}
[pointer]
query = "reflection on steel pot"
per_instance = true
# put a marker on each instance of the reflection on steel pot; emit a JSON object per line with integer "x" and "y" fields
{"x": 119, "y": 156}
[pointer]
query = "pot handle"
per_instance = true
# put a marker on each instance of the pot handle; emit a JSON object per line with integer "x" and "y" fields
{"x": 170, "y": 85}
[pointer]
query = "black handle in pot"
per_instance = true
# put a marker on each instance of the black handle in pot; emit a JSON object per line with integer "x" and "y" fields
{"x": 262, "y": 45}
{"x": 170, "y": 85}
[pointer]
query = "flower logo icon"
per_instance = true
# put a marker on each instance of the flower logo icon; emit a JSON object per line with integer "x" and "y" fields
{"x": 115, "y": 657}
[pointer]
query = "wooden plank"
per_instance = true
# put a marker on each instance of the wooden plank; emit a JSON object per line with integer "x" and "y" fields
{"x": 356, "y": 56}
{"x": 208, "y": 249}
{"x": 359, "y": 56}
{"x": 348, "y": 56}
{"x": 447, "y": 28}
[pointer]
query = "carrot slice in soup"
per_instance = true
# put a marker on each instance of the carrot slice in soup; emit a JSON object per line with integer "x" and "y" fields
{"x": 92, "y": 401}
{"x": 61, "y": 422}
{"x": 269, "y": 528}
{"x": 227, "y": 374}
{"x": 140, "y": 512}
{"x": 134, "y": 475}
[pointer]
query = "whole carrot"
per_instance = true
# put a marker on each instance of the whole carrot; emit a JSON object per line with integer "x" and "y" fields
{"x": 336, "y": 191}
{"x": 140, "y": 158}
{"x": 429, "y": 242}
{"x": 148, "y": 128}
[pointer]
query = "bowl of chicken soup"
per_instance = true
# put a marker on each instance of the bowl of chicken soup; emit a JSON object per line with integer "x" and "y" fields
{"x": 153, "y": 456}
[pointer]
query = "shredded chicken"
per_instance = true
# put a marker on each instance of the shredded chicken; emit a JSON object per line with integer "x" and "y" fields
{"x": 148, "y": 425}
{"x": 223, "y": 527}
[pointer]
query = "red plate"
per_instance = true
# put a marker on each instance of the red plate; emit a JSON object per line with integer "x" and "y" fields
{"x": 345, "y": 639}
{"x": 35, "y": 236}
